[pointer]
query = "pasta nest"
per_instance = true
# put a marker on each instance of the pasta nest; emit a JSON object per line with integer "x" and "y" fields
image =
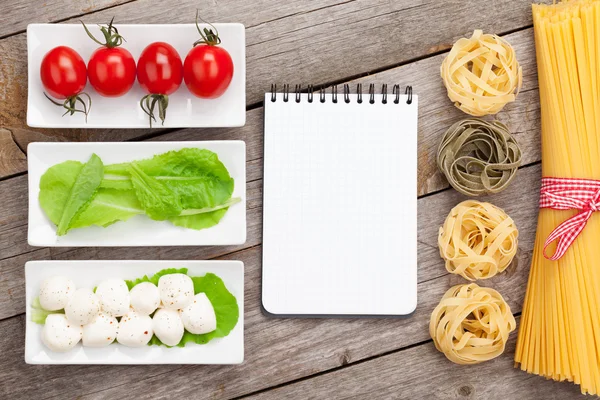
{"x": 478, "y": 240}
{"x": 479, "y": 157}
{"x": 471, "y": 324}
{"x": 482, "y": 74}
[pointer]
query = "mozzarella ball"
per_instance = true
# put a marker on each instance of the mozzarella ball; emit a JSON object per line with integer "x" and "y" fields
{"x": 135, "y": 330}
{"x": 114, "y": 297}
{"x": 199, "y": 316}
{"x": 55, "y": 293}
{"x": 176, "y": 290}
{"x": 145, "y": 298}
{"x": 82, "y": 307}
{"x": 60, "y": 335}
{"x": 101, "y": 332}
{"x": 167, "y": 326}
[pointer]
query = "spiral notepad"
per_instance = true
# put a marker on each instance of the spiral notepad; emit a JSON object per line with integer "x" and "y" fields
{"x": 340, "y": 202}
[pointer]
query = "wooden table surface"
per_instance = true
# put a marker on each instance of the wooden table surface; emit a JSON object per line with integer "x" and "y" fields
{"x": 321, "y": 42}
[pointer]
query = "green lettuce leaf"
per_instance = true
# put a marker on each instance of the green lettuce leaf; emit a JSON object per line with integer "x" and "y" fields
{"x": 81, "y": 193}
{"x": 38, "y": 314}
{"x": 55, "y": 187}
{"x": 190, "y": 187}
{"x": 107, "y": 206}
{"x": 197, "y": 176}
{"x": 157, "y": 199}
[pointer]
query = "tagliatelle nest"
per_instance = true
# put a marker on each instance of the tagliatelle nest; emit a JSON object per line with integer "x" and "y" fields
{"x": 471, "y": 324}
{"x": 482, "y": 74}
{"x": 478, "y": 240}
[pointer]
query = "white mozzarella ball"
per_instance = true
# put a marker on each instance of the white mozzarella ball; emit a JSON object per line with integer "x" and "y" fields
{"x": 176, "y": 290}
{"x": 82, "y": 307}
{"x": 145, "y": 298}
{"x": 135, "y": 330}
{"x": 55, "y": 293}
{"x": 167, "y": 326}
{"x": 199, "y": 317}
{"x": 101, "y": 332}
{"x": 114, "y": 297}
{"x": 59, "y": 334}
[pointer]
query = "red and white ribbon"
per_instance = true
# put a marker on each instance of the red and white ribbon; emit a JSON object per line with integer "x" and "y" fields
{"x": 569, "y": 194}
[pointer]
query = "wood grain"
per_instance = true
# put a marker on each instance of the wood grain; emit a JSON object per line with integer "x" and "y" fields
{"x": 12, "y": 158}
{"x": 292, "y": 42}
{"x": 280, "y": 350}
{"x": 16, "y": 14}
{"x": 400, "y": 376}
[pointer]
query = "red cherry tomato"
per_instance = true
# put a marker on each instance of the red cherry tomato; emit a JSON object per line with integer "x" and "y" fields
{"x": 111, "y": 71}
{"x": 159, "y": 69}
{"x": 208, "y": 71}
{"x": 63, "y": 72}
{"x": 159, "y": 72}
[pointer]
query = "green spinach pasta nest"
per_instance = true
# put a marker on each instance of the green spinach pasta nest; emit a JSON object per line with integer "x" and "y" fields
{"x": 478, "y": 157}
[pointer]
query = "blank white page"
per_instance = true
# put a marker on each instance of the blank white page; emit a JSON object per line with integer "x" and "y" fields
{"x": 340, "y": 206}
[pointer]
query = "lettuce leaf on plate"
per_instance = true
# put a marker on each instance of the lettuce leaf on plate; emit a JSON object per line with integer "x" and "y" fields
{"x": 38, "y": 314}
{"x": 82, "y": 192}
{"x": 106, "y": 207}
{"x": 158, "y": 200}
{"x": 190, "y": 187}
{"x": 198, "y": 179}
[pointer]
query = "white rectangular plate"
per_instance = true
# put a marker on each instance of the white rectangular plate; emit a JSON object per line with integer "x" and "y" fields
{"x": 139, "y": 230}
{"x": 185, "y": 109}
{"x": 227, "y": 350}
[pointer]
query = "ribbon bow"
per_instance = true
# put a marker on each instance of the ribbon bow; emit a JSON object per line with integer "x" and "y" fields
{"x": 569, "y": 194}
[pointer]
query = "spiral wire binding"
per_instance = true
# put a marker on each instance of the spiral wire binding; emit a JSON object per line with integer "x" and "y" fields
{"x": 334, "y": 93}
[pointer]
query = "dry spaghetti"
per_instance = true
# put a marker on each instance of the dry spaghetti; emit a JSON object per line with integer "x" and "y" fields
{"x": 478, "y": 157}
{"x": 478, "y": 240}
{"x": 481, "y": 74}
{"x": 559, "y": 334}
{"x": 471, "y": 324}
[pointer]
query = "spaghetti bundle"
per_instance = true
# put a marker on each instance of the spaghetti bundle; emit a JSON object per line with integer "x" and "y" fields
{"x": 481, "y": 74}
{"x": 559, "y": 337}
{"x": 471, "y": 324}
{"x": 478, "y": 240}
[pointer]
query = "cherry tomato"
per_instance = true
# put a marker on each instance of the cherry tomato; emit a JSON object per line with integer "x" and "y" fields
{"x": 208, "y": 71}
{"x": 159, "y": 69}
{"x": 63, "y": 72}
{"x": 159, "y": 72}
{"x": 111, "y": 71}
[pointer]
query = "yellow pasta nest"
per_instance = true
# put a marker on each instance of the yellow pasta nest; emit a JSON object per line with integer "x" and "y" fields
{"x": 481, "y": 74}
{"x": 477, "y": 240}
{"x": 471, "y": 324}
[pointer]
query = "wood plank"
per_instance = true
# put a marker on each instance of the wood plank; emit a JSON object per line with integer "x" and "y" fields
{"x": 281, "y": 350}
{"x": 12, "y": 159}
{"x": 298, "y": 42}
{"x": 17, "y": 14}
{"x": 400, "y": 375}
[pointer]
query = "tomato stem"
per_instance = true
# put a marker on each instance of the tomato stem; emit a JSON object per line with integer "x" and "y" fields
{"x": 149, "y": 102}
{"x": 70, "y": 104}
{"x": 111, "y": 35}
{"x": 208, "y": 36}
